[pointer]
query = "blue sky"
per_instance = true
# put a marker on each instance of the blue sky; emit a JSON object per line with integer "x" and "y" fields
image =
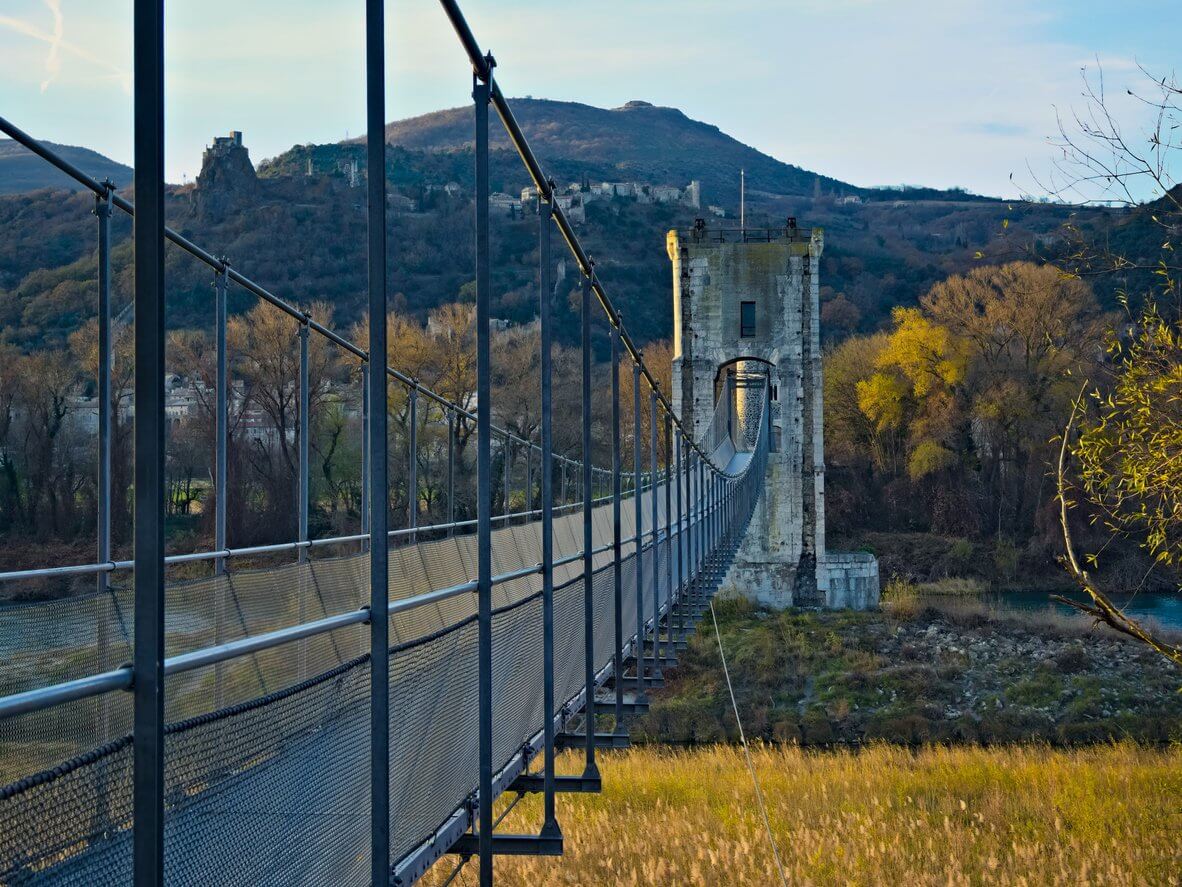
{"x": 961, "y": 92}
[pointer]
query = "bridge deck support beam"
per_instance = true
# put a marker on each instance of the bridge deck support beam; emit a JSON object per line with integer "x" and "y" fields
{"x": 563, "y": 741}
{"x": 507, "y": 845}
{"x": 535, "y": 784}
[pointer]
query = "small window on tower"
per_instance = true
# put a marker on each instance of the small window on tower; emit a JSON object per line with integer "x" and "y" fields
{"x": 746, "y": 320}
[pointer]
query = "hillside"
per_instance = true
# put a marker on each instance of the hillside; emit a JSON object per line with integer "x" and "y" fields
{"x": 21, "y": 170}
{"x": 638, "y": 141}
{"x": 300, "y": 228}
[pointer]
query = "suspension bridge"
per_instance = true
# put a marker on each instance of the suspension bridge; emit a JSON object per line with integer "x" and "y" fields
{"x": 353, "y": 715}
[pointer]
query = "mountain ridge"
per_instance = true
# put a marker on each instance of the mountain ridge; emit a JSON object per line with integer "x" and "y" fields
{"x": 21, "y": 170}
{"x": 653, "y": 143}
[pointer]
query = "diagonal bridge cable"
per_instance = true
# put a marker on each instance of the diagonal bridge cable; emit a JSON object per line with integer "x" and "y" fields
{"x": 746, "y": 749}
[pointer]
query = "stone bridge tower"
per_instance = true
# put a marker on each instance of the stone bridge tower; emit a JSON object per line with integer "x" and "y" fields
{"x": 745, "y": 306}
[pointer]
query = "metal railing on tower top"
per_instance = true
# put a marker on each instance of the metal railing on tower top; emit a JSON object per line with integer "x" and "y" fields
{"x": 269, "y": 737}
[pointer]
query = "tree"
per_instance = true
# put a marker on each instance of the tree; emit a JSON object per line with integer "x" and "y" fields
{"x": 1128, "y": 447}
{"x": 264, "y": 342}
{"x": 851, "y": 431}
{"x": 1029, "y": 330}
{"x": 658, "y": 358}
{"x": 83, "y": 344}
{"x": 954, "y": 406}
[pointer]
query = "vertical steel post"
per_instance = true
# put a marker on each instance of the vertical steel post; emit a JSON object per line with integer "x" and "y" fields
{"x": 718, "y": 525}
{"x": 305, "y": 472}
{"x": 654, "y": 552}
{"x": 365, "y": 484}
{"x": 712, "y": 490}
{"x": 638, "y": 508}
{"x": 549, "y": 820}
{"x": 529, "y": 477}
{"x": 305, "y": 493}
{"x": 150, "y": 429}
{"x": 688, "y": 460}
{"x": 704, "y": 492}
{"x": 707, "y": 479}
{"x": 379, "y": 504}
{"x": 102, "y": 209}
{"x": 412, "y": 482}
{"x": 221, "y": 419}
{"x": 104, "y": 608}
{"x": 480, "y": 95}
{"x": 702, "y": 541}
{"x": 617, "y": 566}
{"x": 695, "y": 544}
{"x": 220, "y": 473}
{"x": 730, "y": 408}
{"x": 715, "y": 510}
{"x": 451, "y": 471}
{"x": 590, "y": 770}
{"x": 506, "y": 452}
{"x": 562, "y": 493}
{"x": 669, "y": 533}
{"x": 680, "y": 536}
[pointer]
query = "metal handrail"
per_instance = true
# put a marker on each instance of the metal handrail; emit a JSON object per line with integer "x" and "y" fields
{"x": 41, "y": 698}
{"x": 279, "y": 547}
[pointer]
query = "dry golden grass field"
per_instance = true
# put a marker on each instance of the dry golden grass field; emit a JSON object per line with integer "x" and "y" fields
{"x": 1021, "y": 815}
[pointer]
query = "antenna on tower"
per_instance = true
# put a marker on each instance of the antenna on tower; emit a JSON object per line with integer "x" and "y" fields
{"x": 742, "y": 198}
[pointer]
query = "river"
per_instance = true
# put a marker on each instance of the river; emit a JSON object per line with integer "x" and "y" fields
{"x": 1163, "y": 608}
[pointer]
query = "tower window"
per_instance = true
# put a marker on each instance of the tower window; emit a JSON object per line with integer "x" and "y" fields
{"x": 746, "y": 320}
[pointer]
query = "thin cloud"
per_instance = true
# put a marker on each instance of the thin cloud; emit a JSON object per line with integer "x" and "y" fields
{"x": 58, "y": 44}
{"x": 53, "y": 61}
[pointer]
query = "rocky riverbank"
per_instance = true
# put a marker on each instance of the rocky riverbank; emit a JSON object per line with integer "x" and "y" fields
{"x": 929, "y": 671}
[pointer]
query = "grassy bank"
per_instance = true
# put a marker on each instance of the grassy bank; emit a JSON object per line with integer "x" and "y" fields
{"x": 949, "y": 668}
{"x": 884, "y": 815}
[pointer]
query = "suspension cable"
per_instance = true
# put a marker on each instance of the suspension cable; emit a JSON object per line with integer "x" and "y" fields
{"x": 746, "y": 750}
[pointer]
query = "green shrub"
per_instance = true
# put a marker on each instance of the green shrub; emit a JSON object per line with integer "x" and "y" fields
{"x": 1005, "y": 558}
{"x": 1038, "y": 690}
{"x": 960, "y": 554}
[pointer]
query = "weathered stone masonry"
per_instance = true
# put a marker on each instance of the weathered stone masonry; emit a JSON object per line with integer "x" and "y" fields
{"x": 782, "y": 561}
